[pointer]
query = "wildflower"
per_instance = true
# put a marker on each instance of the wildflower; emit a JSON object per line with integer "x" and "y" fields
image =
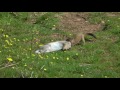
{"x": 53, "y": 25}
{"x": 45, "y": 69}
{"x": 76, "y": 54}
{"x": 13, "y": 67}
{"x": 70, "y": 34}
{"x": 53, "y": 57}
{"x": 106, "y": 77}
{"x": 18, "y": 40}
{"x": 0, "y": 51}
{"x": 41, "y": 45}
{"x": 30, "y": 68}
{"x": 10, "y": 59}
{"x": 40, "y": 56}
{"x": 25, "y": 64}
{"x": 51, "y": 62}
{"x": 81, "y": 75}
{"x": 7, "y": 42}
{"x": 5, "y": 36}
{"x": 5, "y": 46}
{"x": 67, "y": 58}
{"x": 30, "y": 49}
{"x": 10, "y": 44}
{"x": 14, "y": 39}
{"x": 33, "y": 55}
{"x": 57, "y": 58}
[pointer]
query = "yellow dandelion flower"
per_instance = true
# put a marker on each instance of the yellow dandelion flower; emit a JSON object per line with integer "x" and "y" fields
{"x": 9, "y": 59}
{"x": 0, "y": 51}
{"x": 57, "y": 58}
{"x": 41, "y": 45}
{"x": 51, "y": 62}
{"x": 30, "y": 49}
{"x": 45, "y": 69}
{"x": 6, "y": 36}
{"x": 40, "y": 56}
{"x": 7, "y": 41}
{"x": 13, "y": 67}
{"x": 30, "y": 68}
{"x": 25, "y": 64}
{"x": 81, "y": 75}
{"x": 36, "y": 42}
{"x": 76, "y": 54}
{"x": 5, "y": 46}
{"x": 53, "y": 25}
{"x": 33, "y": 55}
{"x": 67, "y": 58}
{"x": 11, "y": 40}
{"x": 70, "y": 34}
{"x": 18, "y": 40}
{"x": 53, "y": 57}
{"x": 106, "y": 77}
{"x": 10, "y": 44}
{"x": 14, "y": 39}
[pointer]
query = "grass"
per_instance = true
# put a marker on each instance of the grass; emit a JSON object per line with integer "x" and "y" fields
{"x": 20, "y": 39}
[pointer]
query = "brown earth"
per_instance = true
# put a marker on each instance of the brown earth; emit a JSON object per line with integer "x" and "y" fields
{"x": 75, "y": 22}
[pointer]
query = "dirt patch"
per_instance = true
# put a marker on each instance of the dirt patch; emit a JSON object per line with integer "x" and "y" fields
{"x": 75, "y": 22}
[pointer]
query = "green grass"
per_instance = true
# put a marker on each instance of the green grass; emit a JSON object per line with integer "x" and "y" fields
{"x": 99, "y": 59}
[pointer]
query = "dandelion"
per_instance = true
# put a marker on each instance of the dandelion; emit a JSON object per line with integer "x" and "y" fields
{"x": 36, "y": 42}
{"x": 45, "y": 69}
{"x": 30, "y": 68}
{"x": 5, "y": 36}
{"x": 18, "y": 40}
{"x": 30, "y": 49}
{"x": 9, "y": 59}
{"x": 13, "y": 67}
{"x": 106, "y": 77}
{"x": 0, "y": 51}
{"x": 41, "y": 45}
{"x": 51, "y": 62}
{"x": 76, "y": 54}
{"x": 67, "y": 58}
{"x": 33, "y": 55}
{"x": 14, "y": 39}
{"x": 52, "y": 40}
{"x": 81, "y": 75}
{"x": 40, "y": 56}
{"x": 7, "y": 42}
{"x": 10, "y": 44}
{"x": 57, "y": 58}
{"x": 70, "y": 34}
{"x": 53, "y": 57}
{"x": 25, "y": 64}
{"x": 5, "y": 46}
{"x": 53, "y": 25}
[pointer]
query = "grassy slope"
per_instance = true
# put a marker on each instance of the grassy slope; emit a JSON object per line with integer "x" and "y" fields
{"x": 98, "y": 59}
